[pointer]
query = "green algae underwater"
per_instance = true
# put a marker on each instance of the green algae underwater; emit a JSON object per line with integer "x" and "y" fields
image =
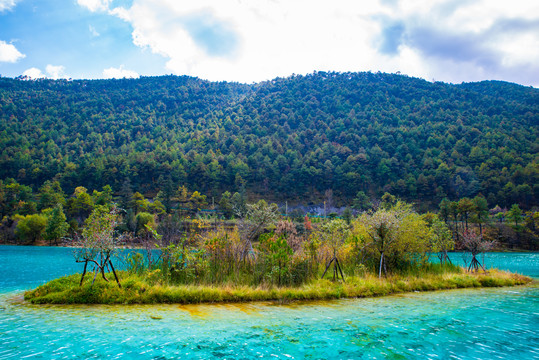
{"x": 477, "y": 323}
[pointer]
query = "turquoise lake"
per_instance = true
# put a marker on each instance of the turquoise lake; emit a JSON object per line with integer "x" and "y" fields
{"x": 500, "y": 323}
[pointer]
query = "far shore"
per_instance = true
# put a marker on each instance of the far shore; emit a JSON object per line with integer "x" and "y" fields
{"x": 141, "y": 247}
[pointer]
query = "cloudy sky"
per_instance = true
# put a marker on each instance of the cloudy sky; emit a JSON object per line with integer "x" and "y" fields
{"x": 255, "y": 40}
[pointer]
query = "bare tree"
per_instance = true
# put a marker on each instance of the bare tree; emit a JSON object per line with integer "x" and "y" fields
{"x": 475, "y": 244}
{"x": 333, "y": 234}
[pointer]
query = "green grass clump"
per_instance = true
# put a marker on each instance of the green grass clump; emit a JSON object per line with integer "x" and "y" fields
{"x": 137, "y": 289}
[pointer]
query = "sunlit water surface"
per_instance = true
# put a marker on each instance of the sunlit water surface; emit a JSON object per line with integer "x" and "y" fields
{"x": 459, "y": 324}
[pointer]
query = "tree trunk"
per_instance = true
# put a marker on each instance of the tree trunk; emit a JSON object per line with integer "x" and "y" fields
{"x": 83, "y": 272}
{"x": 95, "y": 275}
{"x": 336, "y": 269}
{"x": 381, "y": 262}
{"x": 114, "y": 272}
{"x": 475, "y": 264}
{"x": 102, "y": 267}
{"x": 446, "y": 257}
{"x": 327, "y": 267}
{"x": 339, "y": 267}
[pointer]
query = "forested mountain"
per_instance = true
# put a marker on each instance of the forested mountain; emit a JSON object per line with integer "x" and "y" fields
{"x": 290, "y": 138}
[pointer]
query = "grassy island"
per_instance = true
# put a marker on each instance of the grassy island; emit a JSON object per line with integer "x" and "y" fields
{"x": 385, "y": 251}
{"x": 138, "y": 289}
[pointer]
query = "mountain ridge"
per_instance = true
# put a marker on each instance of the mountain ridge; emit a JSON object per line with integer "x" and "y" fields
{"x": 287, "y": 138}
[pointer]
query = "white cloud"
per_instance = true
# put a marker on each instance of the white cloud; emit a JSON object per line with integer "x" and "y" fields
{"x": 472, "y": 40}
{"x": 7, "y": 4}
{"x": 520, "y": 49}
{"x": 93, "y": 31}
{"x": 119, "y": 73}
{"x": 120, "y": 12}
{"x": 52, "y": 72}
{"x": 258, "y": 40}
{"x": 9, "y": 53}
{"x": 34, "y": 73}
{"x": 269, "y": 39}
{"x": 95, "y": 5}
{"x": 55, "y": 72}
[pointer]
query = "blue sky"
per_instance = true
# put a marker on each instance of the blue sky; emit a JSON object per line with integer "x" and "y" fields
{"x": 255, "y": 40}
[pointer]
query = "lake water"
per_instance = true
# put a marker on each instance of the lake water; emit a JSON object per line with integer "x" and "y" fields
{"x": 458, "y": 324}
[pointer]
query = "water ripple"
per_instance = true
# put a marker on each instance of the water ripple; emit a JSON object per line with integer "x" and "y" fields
{"x": 462, "y": 324}
{"x": 458, "y": 324}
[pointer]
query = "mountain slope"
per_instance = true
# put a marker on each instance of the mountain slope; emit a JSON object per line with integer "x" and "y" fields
{"x": 291, "y": 138}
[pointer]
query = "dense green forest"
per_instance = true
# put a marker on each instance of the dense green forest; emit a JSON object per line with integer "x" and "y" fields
{"x": 289, "y": 139}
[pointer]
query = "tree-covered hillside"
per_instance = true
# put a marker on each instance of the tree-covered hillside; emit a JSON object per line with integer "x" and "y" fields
{"x": 291, "y": 138}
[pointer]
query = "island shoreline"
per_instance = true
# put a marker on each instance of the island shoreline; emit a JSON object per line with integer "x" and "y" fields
{"x": 135, "y": 290}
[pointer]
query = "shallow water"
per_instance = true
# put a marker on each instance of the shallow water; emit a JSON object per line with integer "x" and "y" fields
{"x": 522, "y": 263}
{"x": 459, "y": 324}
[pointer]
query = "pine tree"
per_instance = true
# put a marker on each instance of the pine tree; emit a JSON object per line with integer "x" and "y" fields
{"x": 57, "y": 226}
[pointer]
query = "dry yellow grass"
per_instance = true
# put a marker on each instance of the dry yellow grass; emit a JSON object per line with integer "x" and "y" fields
{"x": 135, "y": 290}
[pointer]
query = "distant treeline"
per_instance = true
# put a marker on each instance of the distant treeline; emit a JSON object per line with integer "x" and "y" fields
{"x": 289, "y": 139}
{"x": 53, "y": 216}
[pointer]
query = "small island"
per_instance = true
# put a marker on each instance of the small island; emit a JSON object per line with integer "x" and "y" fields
{"x": 144, "y": 290}
{"x": 262, "y": 257}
